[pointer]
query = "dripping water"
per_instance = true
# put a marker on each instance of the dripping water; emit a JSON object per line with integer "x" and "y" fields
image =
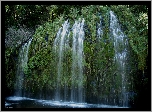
{"x": 120, "y": 47}
{"x": 21, "y": 65}
{"x": 61, "y": 45}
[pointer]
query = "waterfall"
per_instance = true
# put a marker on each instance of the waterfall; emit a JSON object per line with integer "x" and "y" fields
{"x": 61, "y": 45}
{"x": 99, "y": 28}
{"x": 21, "y": 65}
{"x": 60, "y": 41}
{"x": 120, "y": 47}
{"x": 77, "y": 65}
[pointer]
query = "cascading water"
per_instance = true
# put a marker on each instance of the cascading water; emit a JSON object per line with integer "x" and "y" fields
{"x": 77, "y": 65}
{"x": 120, "y": 47}
{"x": 61, "y": 43}
{"x": 64, "y": 43}
{"x": 21, "y": 65}
{"x": 99, "y": 28}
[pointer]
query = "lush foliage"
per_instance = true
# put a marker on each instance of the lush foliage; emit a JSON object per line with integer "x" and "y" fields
{"x": 19, "y": 15}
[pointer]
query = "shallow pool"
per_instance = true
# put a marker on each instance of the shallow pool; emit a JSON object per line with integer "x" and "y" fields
{"x": 24, "y": 102}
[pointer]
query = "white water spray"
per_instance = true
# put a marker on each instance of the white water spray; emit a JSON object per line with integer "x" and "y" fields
{"x": 120, "y": 47}
{"x": 77, "y": 65}
{"x": 21, "y": 65}
{"x": 61, "y": 45}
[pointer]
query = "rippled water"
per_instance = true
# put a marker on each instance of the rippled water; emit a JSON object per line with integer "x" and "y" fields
{"x": 24, "y": 102}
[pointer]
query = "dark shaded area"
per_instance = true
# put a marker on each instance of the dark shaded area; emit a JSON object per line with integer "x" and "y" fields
{"x": 143, "y": 87}
{"x": 28, "y": 15}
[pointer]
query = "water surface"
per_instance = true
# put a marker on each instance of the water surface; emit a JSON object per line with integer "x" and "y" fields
{"x": 24, "y": 102}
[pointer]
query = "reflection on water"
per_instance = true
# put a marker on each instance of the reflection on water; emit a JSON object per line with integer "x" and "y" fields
{"x": 23, "y": 102}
